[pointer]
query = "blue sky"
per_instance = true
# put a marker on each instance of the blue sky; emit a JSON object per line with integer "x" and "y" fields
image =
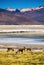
{"x": 20, "y": 3}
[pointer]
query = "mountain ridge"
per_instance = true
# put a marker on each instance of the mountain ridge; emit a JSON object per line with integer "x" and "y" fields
{"x": 28, "y": 16}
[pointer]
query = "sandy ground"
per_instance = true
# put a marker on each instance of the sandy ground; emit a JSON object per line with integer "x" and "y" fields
{"x": 22, "y": 27}
{"x": 8, "y": 27}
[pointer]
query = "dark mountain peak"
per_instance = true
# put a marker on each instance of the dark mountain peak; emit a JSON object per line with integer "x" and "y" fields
{"x": 17, "y": 10}
{"x": 2, "y": 10}
{"x": 41, "y": 6}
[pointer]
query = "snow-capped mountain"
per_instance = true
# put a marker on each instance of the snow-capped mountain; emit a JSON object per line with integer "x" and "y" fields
{"x": 30, "y": 9}
{"x": 26, "y": 16}
{"x": 25, "y": 9}
{"x": 10, "y": 9}
{"x": 38, "y": 8}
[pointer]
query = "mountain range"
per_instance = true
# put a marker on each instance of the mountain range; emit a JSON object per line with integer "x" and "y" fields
{"x": 23, "y": 16}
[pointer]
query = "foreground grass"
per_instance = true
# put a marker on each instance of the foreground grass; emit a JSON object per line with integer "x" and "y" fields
{"x": 27, "y": 58}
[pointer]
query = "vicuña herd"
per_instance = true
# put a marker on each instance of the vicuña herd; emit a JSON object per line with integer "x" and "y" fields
{"x": 19, "y": 50}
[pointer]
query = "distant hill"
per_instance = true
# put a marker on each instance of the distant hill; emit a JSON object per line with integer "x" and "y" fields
{"x": 28, "y": 16}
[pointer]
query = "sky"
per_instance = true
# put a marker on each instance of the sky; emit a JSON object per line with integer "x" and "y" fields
{"x": 21, "y": 3}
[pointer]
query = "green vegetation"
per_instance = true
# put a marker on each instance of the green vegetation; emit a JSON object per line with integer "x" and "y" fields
{"x": 26, "y": 58}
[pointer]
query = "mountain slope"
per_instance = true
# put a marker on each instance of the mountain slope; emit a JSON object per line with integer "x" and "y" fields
{"x": 17, "y": 17}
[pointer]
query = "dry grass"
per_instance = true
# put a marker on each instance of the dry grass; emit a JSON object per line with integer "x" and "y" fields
{"x": 27, "y": 58}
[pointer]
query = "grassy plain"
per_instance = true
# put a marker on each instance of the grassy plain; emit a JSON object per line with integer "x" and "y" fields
{"x": 26, "y": 58}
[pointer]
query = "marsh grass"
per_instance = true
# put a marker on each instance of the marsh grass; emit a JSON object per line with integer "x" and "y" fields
{"x": 26, "y": 58}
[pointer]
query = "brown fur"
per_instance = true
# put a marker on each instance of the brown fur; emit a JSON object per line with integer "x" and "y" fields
{"x": 21, "y": 50}
{"x": 28, "y": 49}
{"x": 8, "y": 49}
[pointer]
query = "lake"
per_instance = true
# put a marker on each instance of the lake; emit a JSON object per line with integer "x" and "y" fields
{"x": 19, "y": 39}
